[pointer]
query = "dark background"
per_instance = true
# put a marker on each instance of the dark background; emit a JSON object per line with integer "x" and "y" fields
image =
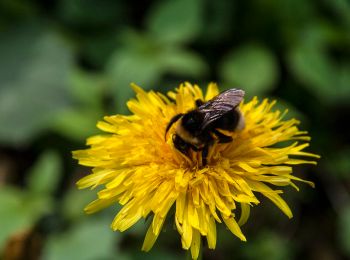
{"x": 66, "y": 63}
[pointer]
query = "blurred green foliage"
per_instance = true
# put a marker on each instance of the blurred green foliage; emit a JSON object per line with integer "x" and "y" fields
{"x": 34, "y": 68}
{"x": 21, "y": 209}
{"x": 251, "y": 67}
{"x": 64, "y": 64}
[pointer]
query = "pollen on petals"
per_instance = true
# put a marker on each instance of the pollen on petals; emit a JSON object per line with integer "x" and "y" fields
{"x": 138, "y": 168}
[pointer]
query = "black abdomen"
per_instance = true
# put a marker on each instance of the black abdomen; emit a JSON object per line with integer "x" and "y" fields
{"x": 228, "y": 121}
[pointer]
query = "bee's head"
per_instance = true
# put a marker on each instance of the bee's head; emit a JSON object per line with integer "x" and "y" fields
{"x": 192, "y": 122}
{"x": 187, "y": 132}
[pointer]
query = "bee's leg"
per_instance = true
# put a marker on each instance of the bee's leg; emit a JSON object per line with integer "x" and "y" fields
{"x": 199, "y": 102}
{"x": 222, "y": 138}
{"x": 205, "y": 152}
{"x": 194, "y": 148}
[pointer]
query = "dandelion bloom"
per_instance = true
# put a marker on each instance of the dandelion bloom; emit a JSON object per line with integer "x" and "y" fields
{"x": 142, "y": 171}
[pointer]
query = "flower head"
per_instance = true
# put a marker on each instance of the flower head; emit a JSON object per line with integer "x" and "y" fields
{"x": 146, "y": 174}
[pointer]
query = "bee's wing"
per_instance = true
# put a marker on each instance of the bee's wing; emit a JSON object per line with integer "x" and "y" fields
{"x": 220, "y": 105}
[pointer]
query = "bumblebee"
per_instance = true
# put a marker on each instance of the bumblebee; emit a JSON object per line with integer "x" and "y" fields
{"x": 199, "y": 128}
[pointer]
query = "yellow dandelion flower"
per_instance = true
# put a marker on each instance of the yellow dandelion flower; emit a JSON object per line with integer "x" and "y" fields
{"x": 144, "y": 173}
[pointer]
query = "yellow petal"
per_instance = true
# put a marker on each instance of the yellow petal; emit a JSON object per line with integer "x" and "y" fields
{"x": 98, "y": 204}
{"x": 186, "y": 237}
{"x": 245, "y": 212}
{"x": 273, "y": 196}
{"x": 279, "y": 202}
{"x": 152, "y": 234}
{"x": 196, "y": 244}
{"x": 192, "y": 215}
{"x": 127, "y": 216}
{"x": 157, "y": 223}
{"x": 211, "y": 237}
{"x": 180, "y": 206}
{"x": 203, "y": 218}
{"x": 212, "y": 91}
{"x": 97, "y": 178}
{"x": 234, "y": 228}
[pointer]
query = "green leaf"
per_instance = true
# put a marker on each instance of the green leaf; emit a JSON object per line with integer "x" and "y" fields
{"x": 136, "y": 62}
{"x": 78, "y": 124}
{"x": 252, "y": 68}
{"x": 268, "y": 245}
{"x": 344, "y": 230}
{"x": 17, "y": 8}
{"x": 45, "y": 175}
{"x": 87, "y": 88}
{"x": 75, "y": 201}
{"x": 84, "y": 13}
{"x": 341, "y": 8}
{"x": 91, "y": 239}
{"x": 218, "y": 24}
{"x": 10, "y": 208}
{"x": 133, "y": 65}
{"x": 19, "y": 211}
{"x": 183, "y": 62}
{"x": 34, "y": 68}
{"x": 175, "y": 21}
{"x": 312, "y": 66}
{"x": 339, "y": 164}
{"x": 157, "y": 254}
{"x": 144, "y": 61}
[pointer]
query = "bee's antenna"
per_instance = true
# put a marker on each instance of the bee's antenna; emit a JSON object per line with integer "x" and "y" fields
{"x": 172, "y": 121}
